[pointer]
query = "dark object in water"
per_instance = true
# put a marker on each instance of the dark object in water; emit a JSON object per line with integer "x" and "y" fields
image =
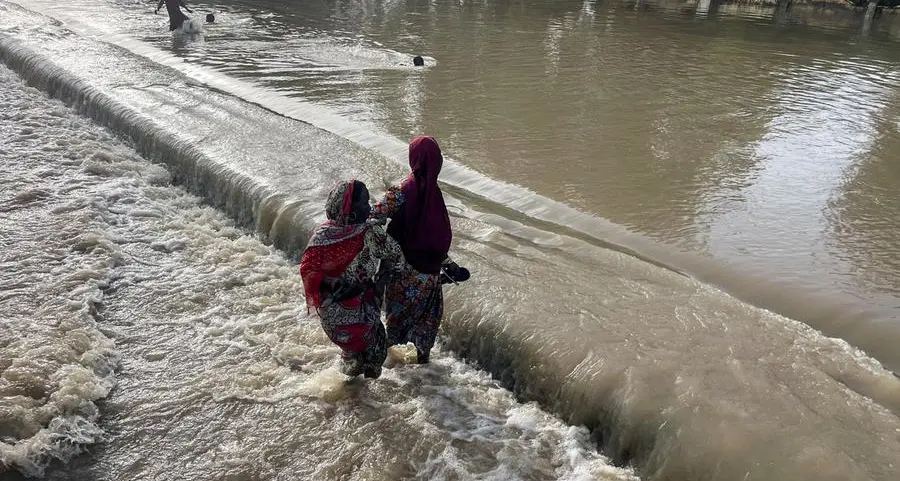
{"x": 418, "y": 61}
{"x": 422, "y": 357}
{"x": 452, "y": 272}
{"x": 210, "y": 18}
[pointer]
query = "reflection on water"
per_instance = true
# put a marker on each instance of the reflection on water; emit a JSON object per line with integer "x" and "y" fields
{"x": 737, "y": 131}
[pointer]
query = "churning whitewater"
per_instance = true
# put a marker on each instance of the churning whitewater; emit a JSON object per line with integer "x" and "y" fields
{"x": 220, "y": 372}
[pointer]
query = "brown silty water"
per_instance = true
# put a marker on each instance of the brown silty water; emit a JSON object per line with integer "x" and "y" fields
{"x": 749, "y": 152}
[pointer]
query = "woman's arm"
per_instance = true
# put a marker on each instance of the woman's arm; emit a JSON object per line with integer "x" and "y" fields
{"x": 382, "y": 245}
{"x": 389, "y": 204}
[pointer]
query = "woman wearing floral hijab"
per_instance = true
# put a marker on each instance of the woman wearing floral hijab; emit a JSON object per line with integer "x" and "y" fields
{"x": 338, "y": 271}
{"x": 414, "y": 302}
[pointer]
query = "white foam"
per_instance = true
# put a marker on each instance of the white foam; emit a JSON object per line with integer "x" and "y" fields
{"x": 191, "y": 26}
{"x": 56, "y": 362}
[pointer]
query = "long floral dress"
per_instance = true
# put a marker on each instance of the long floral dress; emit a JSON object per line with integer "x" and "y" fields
{"x": 413, "y": 301}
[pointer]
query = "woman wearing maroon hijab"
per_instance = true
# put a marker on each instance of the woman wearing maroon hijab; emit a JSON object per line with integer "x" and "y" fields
{"x": 413, "y": 299}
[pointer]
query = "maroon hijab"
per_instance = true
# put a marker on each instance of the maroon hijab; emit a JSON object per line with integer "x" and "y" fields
{"x": 426, "y": 224}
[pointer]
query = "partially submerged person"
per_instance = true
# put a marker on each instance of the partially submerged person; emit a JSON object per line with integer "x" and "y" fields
{"x": 420, "y": 223}
{"x": 338, "y": 271}
{"x": 210, "y": 18}
{"x": 176, "y": 17}
{"x": 418, "y": 61}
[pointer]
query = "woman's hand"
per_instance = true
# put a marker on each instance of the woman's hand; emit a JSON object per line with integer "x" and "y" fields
{"x": 341, "y": 290}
